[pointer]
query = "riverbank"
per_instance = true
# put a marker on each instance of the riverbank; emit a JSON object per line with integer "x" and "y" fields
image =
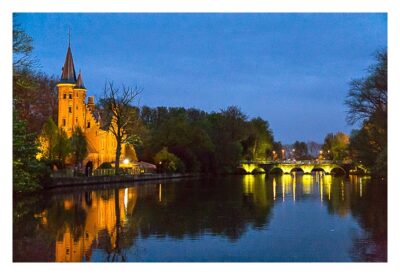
{"x": 102, "y": 180}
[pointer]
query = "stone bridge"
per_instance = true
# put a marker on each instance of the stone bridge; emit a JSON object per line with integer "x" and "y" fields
{"x": 303, "y": 166}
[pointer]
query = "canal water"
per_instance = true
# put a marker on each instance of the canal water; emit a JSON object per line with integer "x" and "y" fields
{"x": 251, "y": 218}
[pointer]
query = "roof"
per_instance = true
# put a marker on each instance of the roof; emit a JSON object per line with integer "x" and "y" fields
{"x": 79, "y": 82}
{"x": 68, "y": 71}
{"x": 147, "y": 165}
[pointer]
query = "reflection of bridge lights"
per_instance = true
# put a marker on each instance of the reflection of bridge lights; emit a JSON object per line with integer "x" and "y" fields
{"x": 321, "y": 191}
{"x": 307, "y": 184}
{"x": 328, "y": 183}
{"x": 294, "y": 188}
{"x": 248, "y": 184}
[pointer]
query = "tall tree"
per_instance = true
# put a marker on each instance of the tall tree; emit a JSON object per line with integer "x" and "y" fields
{"x": 26, "y": 167}
{"x": 62, "y": 148}
{"x": 79, "y": 146}
{"x": 300, "y": 150}
{"x": 258, "y": 144}
{"x": 313, "y": 148}
{"x": 120, "y": 117}
{"x": 336, "y": 146}
{"x": 367, "y": 97}
{"x": 367, "y": 104}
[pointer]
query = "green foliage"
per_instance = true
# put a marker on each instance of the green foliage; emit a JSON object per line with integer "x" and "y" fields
{"x": 300, "y": 150}
{"x": 55, "y": 146}
{"x": 48, "y": 139}
{"x": 168, "y": 162}
{"x": 336, "y": 146}
{"x": 367, "y": 103}
{"x": 105, "y": 165}
{"x": 79, "y": 146}
{"x": 62, "y": 147}
{"x": 258, "y": 145}
{"x": 26, "y": 168}
{"x": 204, "y": 142}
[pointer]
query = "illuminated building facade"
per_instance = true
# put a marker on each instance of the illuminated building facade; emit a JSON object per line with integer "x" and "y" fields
{"x": 73, "y": 112}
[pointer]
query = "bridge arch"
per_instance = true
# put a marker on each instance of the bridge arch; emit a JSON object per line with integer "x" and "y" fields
{"x": 337, "y": 170}
{"x": 297, "y": 169}
{"x": 318, "y": 169}
{"x": 276, "y": 170}
{"x": 241, "y": 170}
{"x": 258, "y": 170}
{"x": 359, "y": 169}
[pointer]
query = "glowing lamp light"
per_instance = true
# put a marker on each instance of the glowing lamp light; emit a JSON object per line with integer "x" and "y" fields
{"x": 126, "y": 161}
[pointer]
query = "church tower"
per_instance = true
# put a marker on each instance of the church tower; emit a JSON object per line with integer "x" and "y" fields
{"x": 71, "y": 97}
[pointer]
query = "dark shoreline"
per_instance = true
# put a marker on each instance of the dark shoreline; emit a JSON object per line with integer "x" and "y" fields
{"x": 106, "y": 180}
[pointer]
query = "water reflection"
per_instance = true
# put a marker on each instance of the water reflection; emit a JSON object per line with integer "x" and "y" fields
{"x": 106, "y": 225}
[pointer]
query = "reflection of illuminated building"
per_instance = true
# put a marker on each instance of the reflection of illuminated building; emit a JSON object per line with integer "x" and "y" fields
{"x": 101, "y": 216}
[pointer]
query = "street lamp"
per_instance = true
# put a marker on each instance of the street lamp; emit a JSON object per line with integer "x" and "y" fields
{"x": 283, "y": 151}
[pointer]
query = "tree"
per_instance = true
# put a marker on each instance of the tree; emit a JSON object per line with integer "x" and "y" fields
{"x": 168, "y": 162}
{"x": 227, "y": 131}
{"x": 62, "y": 148}
{"x": 367, "y": 103}
{"x": 26, "y": 168}
{"x": 79, "y": 146}
{"x": 313, "y": 148}
{"x": 300, "y": 150}
{"x": 336, "y": 146}
{"x": 277, "y": 151}
{"x": 258, "y": 145}
{"x": 34, "y": 93}
{"x": 120, "y": 116}
{"x": 47, "y": 140}
{"x": 22, "y": 48}
{"x": 367, "y": 97}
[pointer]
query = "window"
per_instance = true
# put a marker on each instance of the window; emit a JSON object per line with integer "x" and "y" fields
{"x": 63, "y": 122}
{"x": 70, "y": 96}
{"x": 76, "y": 107}
{"x": 65, "y": 96}
{"x": 76, "y": 94}
{"x": 69, "y": 109}
{"x": 88, "y": 124}
{"x": 76, "y": 119}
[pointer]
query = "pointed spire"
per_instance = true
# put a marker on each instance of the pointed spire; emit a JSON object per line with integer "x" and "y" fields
{"x": 68, "y": 71}
{"x": 79, "y": 82}
{"x": 69, "y": 37}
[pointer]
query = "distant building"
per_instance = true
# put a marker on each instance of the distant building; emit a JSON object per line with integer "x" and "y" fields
{"x": 73, "y": 112}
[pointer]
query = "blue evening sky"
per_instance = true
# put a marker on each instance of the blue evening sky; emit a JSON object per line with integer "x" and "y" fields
{"x": 290, "y": 69}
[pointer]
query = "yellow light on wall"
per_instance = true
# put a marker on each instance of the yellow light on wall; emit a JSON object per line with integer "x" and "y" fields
{"x": 126, "y": 161}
